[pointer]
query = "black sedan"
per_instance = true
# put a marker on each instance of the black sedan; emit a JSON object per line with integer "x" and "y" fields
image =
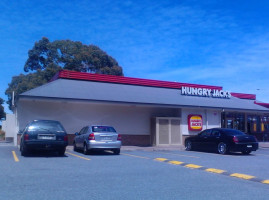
{"x": 223, "y": 141}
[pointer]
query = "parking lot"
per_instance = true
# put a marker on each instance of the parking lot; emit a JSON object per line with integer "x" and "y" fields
{"x": 134, "y": 174}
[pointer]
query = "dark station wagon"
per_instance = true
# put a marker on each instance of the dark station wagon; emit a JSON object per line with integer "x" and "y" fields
{"x": 223, "y": 141}
{"x": 43, "y": 135}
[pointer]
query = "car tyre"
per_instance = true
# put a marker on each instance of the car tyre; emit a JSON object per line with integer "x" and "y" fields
{"x": 116, "y": 151}
{"x": 246, "y": 152}
{"x": 85, "y": 149}
{"x": 222, "y": 148}
{"x": 61, "y": 152}
{"x": 75, "y": 147}
{"x": 188, "y": 145}
{"x": 23, "y": 150}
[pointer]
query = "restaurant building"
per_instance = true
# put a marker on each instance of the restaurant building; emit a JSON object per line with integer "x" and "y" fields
{"x": 145, "y": 112}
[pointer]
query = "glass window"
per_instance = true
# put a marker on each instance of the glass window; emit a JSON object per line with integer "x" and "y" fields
{"x": 253, "y": 124}
{"x": 81, "y": 131}
{"x": 46, "y": 125}
{"x": 103, "y": 129}
{"x": 216, "y": 133}
{"x": 233, "y": 132}
{"x": 206, "y": 132}
{"x": 234, "y": 121}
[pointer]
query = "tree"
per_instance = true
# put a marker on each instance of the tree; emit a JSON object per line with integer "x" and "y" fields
{"x": 46, "y": 58}
{"x": 71, "y": 55}
{"x": 2, "y": 112}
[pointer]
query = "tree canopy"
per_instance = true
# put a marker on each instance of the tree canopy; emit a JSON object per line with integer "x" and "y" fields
{"x": 2, "y": 112}
{"x": 46, "y": 58}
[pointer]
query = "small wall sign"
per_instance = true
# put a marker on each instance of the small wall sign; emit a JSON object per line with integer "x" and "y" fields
{"x": 195, "y": 122}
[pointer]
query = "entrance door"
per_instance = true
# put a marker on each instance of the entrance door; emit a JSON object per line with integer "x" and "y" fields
{"x": 168, "y": 131}
{"x": 229, "y": 123}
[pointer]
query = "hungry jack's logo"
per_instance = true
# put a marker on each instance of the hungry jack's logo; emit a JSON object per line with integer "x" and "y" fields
{"x": 195, "y": 122}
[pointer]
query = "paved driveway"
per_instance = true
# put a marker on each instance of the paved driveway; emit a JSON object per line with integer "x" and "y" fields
{"x": 135, "y": 174}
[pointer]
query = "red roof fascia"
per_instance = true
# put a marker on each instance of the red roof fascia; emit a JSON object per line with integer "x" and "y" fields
{"x": 262, "y": 104}
{"x": 66, "y": 74}
{"x": 244, "y": 96}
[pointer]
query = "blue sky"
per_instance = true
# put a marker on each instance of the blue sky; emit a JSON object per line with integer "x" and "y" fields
{"x": 216, "y": 42}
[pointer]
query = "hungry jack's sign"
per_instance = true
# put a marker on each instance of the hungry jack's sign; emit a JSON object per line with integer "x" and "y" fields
{"x": 195, "y": 122}
{"x": 205, "y": 92}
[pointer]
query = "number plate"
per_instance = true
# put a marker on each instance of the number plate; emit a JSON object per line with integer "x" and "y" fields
{"x": 106, "y": 138}
{"x": 249, "y": 146}
{"x": 46, "y": 137}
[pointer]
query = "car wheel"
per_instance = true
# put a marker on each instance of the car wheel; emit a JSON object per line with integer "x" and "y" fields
{"x": 188, "y": 145}
{"x": 116, "y": 151}
{"x": 222, "y": 148}
{"x": 75, "y": 147}
{"x": 246, "y": 152}
{"x": 85, "y": 149}
{"x": 23, "y": 150}
{"x": 61, "y": 152}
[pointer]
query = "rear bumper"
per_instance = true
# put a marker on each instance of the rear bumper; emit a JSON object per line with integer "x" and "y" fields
{"x": 104, "y": 145}
{"x": 245, "y": 147}
{"x": 45, "y": 145}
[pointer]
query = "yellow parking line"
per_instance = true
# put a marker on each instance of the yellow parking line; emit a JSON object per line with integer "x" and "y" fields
{"x": 218, "y": 171}
{"x": 134, "y": 156}
{"x": 265, "y": 181}
{"x": 15, "y": 156}
{"x": 174, "y": 162}
{"x": 243, "y": 176}
{"x": 180, "y": 155}
{"x": 193, "y": 166}
{"x": 161, "y": 159}
{"x": 78, "y": 156}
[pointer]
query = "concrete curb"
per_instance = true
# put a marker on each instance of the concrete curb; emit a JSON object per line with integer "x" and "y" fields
{"x": 264, "y": 144}
{"x": 147, "y": 148}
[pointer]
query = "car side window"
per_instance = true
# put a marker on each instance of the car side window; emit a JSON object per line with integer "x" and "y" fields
{"x": 215, "y": 133}
{"x": 85, "y": 130}
{"x": 206, "y": 133}
{"x": 81, "y": 131}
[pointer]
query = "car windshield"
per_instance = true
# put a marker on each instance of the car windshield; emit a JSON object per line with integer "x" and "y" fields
{"x": 233, "y": 132}
{"x": 103, "y": 129}
{"x": 46, "y": 126}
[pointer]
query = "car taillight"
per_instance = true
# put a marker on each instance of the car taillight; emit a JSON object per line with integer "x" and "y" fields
{"x": 65, "y": 138}
{"x": 91, "y": 137}
{"x": 26, "y": 137}
{"x": 119, "y": 137}
{"x": 235, "y": 139}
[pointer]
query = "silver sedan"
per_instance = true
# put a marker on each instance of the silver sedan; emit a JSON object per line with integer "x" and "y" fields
{"x": 97, "y": 137}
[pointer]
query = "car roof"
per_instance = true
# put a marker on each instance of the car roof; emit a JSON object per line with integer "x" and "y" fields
{"x": 44, "y": 120}
{"x": 102, "y": 125}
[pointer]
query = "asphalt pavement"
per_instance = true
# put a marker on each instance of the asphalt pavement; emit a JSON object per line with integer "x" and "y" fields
{"x": 137, "y": 173}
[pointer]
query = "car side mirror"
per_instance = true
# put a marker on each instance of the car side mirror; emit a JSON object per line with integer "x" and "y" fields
{"x": 76, "y": 133}
{"x": 20, "y": 132}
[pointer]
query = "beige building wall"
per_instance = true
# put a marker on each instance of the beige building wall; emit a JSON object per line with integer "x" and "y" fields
{"x": 127, "y": 119}
{"x": 211, "y": 119}
{"x": 9, "y": 126}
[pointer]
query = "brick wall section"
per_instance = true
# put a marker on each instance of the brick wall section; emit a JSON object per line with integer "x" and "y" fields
{"x": 135, "y": 140}
{"x": 127, "y": 140}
